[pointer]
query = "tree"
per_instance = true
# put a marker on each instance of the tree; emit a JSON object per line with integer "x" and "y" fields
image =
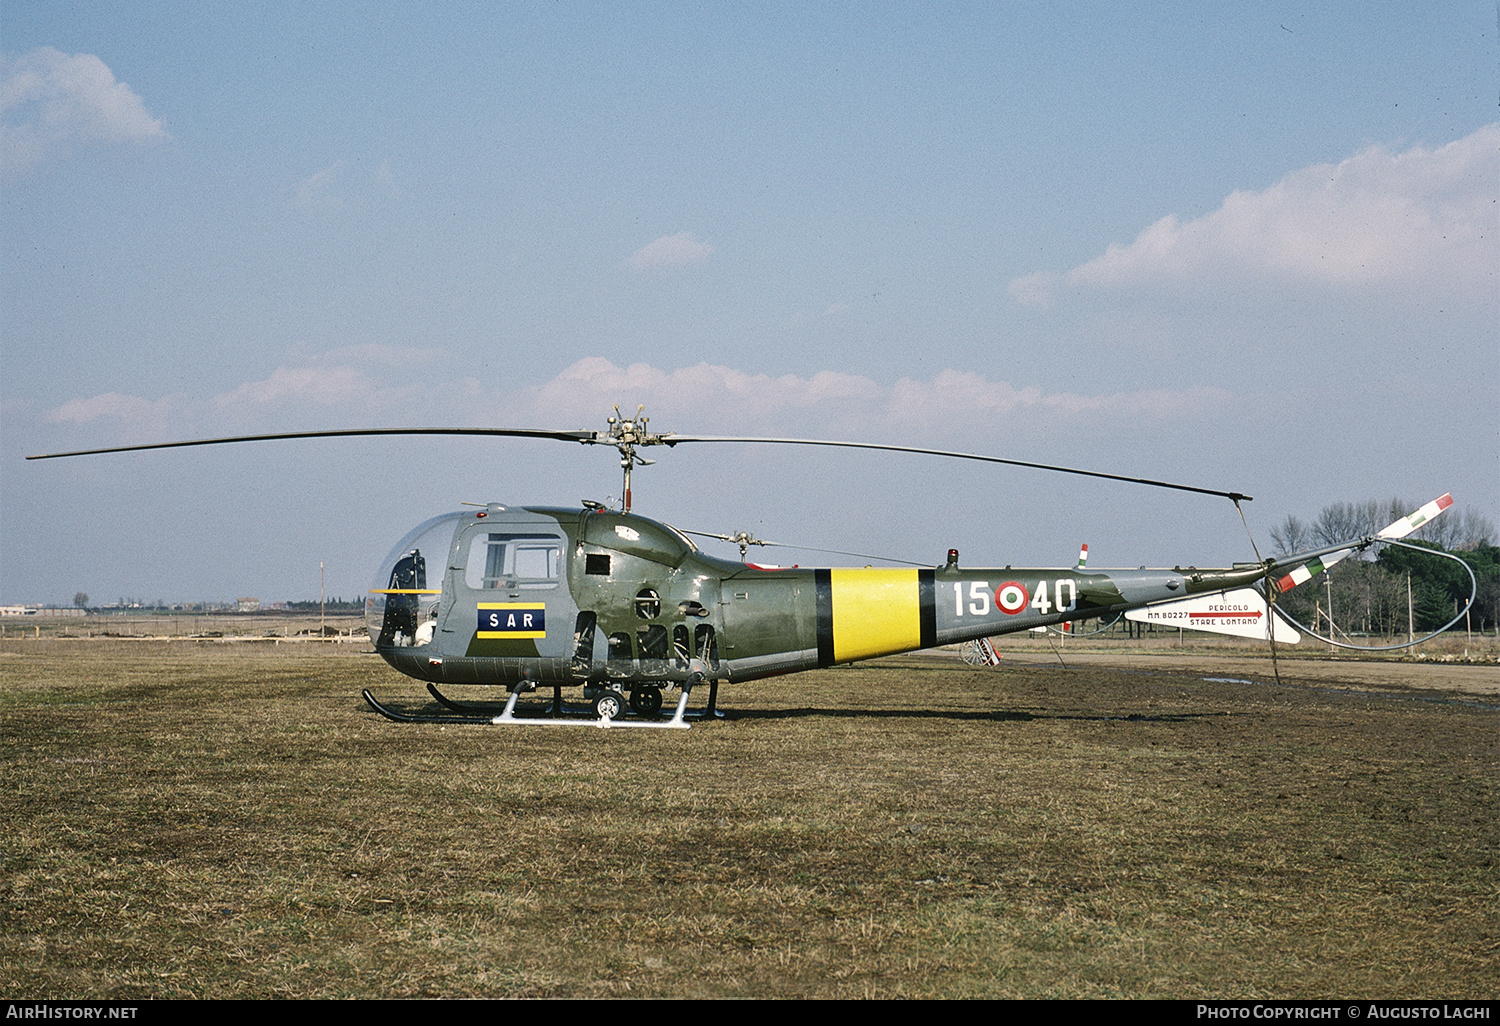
{"x": 1372, "y": 597}
{"x": 81, "y": 599}
{"x": 1460, "y": 530}
{"x": 1292, "y": 535}
{"x": 1440, "y": 586}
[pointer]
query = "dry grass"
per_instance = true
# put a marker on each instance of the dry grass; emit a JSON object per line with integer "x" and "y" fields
{"x": 229, "y": 821}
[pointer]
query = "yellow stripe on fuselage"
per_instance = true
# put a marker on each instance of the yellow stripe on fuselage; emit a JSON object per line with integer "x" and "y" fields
{"x": 875, "y": 612}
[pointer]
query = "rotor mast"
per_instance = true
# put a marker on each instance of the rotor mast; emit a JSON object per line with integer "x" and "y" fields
{"x": 625, "y": 435}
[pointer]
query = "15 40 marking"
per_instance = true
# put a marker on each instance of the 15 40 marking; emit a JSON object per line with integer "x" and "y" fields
{"x": 1012, "y": 597}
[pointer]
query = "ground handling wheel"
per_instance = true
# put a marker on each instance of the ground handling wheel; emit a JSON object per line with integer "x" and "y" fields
{"x": 646, "y": 701}
{"x": 611, "y": 704}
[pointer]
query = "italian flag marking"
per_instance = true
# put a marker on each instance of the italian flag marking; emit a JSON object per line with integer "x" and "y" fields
{"x": 1406, "y": 525}
{"x": 1301, "y": 575}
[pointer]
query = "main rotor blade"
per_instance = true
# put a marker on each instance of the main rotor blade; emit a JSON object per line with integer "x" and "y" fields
{"x": 668, "y": 439}
{"x": 673, "y": 439}
{"x": 582, "y": 437}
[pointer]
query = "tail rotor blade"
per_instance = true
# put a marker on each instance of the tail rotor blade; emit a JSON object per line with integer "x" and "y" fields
{"x": 1400, "y": 529}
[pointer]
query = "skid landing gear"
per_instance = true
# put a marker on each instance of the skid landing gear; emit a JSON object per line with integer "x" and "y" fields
{"x": 609, "y": 707}
{"x": 397, "y": 716}
{"x": 486, "y": 710}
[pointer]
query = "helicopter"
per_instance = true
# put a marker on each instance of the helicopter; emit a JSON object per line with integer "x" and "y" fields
{"x": 628, "y": 608}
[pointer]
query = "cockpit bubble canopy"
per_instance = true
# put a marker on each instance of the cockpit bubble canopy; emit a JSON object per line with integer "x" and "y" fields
{"x": 402, "y": 603}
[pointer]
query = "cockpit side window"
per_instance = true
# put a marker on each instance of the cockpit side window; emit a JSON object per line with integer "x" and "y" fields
{"x": 505, "y": 560}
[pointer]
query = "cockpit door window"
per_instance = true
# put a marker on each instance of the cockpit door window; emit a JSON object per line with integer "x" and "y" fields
{"x": 504, "y": 560}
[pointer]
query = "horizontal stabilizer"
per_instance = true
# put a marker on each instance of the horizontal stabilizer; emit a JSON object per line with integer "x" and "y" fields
{"x": 1241, "y": 612}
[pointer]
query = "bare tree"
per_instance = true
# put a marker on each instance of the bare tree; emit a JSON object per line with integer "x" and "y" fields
{"x": 1292, "y": 535}
{"x": 1347, "y": 521}
{"x": 1459, "y": 529}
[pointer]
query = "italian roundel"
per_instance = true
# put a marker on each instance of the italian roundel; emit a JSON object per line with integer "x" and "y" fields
{"x": 1012, "y": 597}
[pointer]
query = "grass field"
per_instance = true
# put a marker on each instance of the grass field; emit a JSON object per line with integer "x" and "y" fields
{"x": 230, "y": 820}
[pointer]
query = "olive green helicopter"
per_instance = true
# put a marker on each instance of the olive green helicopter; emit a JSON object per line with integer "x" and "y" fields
{"x": 627, "y": 608}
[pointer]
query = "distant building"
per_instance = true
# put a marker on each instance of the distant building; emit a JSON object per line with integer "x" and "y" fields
{"x": 247, "y": 605}
{"x": 40, "y": 611}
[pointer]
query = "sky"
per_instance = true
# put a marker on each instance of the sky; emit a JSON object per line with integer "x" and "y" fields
{"x": 1249, "y": 247}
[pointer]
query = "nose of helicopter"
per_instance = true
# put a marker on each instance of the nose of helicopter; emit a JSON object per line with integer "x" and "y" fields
{"x": 403, "y": 597}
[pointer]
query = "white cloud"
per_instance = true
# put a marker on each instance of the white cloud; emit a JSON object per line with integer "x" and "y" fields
{"x": 319, "y": 190}
{"x": 322, "y": 386}
{"x": 335, "y": 391}
{"x": 929, "y": 404}
{"x": 670, "y": 251}
{"x": 116, "y": 419}
{"x": 709, "y": 398}
{"x": 115, "y": 406}
{"x": 1036, "y": 289}
{"x": 51, "y": 102}
{"x": 356, "y": 382}
{"x": 1406, "y": 219}
{"x": 594, "y": 383}
{"x": 356, "y": 386}
{"x": 346, "y": 182}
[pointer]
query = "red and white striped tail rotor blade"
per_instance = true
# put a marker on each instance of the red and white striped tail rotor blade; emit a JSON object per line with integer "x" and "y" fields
{"x": 1406, "y": 525}
{"x": 1400, "y": 529}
